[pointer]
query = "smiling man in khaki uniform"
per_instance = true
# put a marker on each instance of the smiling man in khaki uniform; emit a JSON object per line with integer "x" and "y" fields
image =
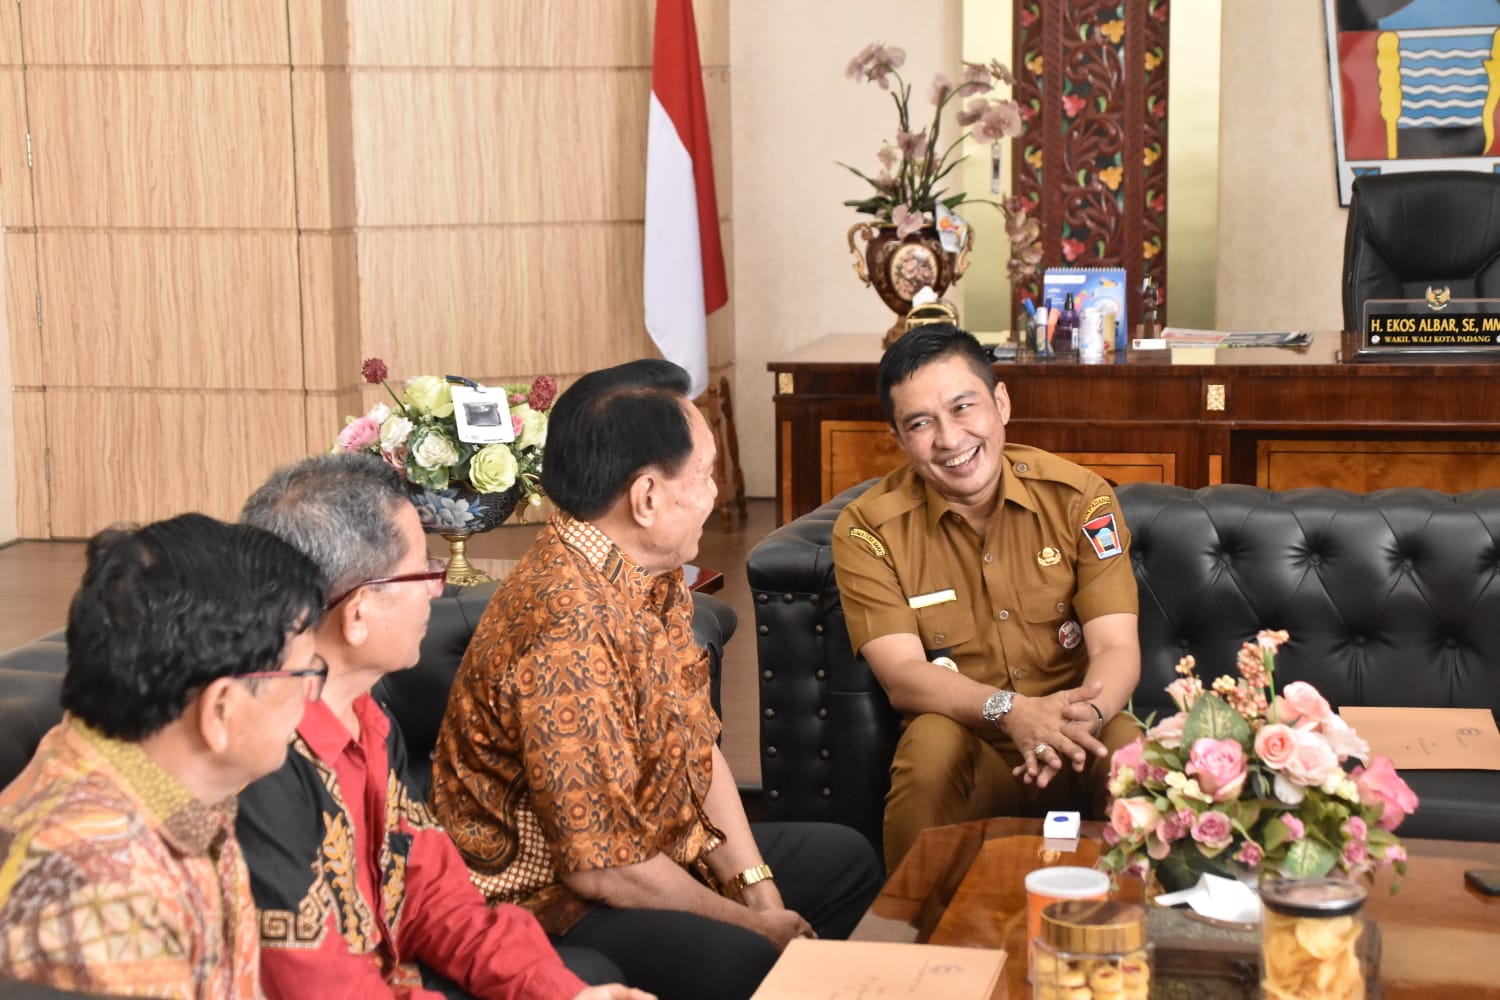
{"x": 989, "y": 587}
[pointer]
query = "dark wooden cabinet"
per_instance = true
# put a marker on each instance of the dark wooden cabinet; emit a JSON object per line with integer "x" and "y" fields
{"x": 1272, "y": 417}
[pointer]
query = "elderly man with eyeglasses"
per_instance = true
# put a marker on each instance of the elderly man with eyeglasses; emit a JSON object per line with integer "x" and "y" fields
{"x": 359, "y": 892}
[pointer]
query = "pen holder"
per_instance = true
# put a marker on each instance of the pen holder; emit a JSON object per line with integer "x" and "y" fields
{"x": 1031, "y": 336}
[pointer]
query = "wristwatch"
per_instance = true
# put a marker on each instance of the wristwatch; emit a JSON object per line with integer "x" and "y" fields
{"x": 997, "y": 706}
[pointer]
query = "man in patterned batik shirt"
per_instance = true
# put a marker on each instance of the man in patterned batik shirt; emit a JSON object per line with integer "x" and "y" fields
{"x": 190, "y": 659}
{"x": 360, "y": 893}
{"x": 577, "y": 767}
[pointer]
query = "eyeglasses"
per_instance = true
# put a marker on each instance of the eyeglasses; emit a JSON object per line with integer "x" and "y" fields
{"x": 320, "y": 673}
{"x": 437, "y": 573}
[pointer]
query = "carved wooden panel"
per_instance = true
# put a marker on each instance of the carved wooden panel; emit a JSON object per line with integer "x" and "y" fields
{"x": 162, "y": 309}
{"x": 156, "y": 32}
{"x": 161, "y": 147}
{"x": 1091, "y": 79}
{"x": 1362, "y": 466}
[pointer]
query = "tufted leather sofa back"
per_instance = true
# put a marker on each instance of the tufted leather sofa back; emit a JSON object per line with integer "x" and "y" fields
{"x": 1391, "y": 598}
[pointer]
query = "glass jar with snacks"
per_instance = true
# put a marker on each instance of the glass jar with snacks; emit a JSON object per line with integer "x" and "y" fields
{"x": 1092, "y": 949}
{"x": 1309, "y": 939}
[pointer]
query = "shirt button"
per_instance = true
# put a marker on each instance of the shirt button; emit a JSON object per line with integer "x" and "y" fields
{"x": 1022, "y": 467}
{"x": 1061, "y": 605}
{"x": 939, "y": 638}
{"x": 989, "y": 557}
{"x": 1019, "y": 672}
{"x": 1003, "y": 614}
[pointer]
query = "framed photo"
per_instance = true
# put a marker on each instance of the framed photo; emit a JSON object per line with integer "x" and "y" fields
{"x": 1415, "y": 84}
{"x": 482, "y": 415}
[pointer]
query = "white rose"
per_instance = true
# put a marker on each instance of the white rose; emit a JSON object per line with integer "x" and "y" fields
{"x": 393, "y": 433}
{"x": 435, "y": 450}
{"x": 379, "y": 412}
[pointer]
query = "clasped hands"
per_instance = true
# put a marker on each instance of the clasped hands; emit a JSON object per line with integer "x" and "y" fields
{"x": 1052, "y": 730}
{"x": 772, "y": 918}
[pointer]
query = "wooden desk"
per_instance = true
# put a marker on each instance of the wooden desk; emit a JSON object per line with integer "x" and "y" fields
{"x": 962, "y": 885}
{"x": 1271, "y": 417}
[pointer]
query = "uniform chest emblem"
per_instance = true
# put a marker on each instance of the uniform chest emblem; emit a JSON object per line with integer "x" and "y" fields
{"x": 1069, "y": 634}
{"x": 1048, "y": 557}
{"x": 1103, "y": 536}
{"x": 875, "y": 544}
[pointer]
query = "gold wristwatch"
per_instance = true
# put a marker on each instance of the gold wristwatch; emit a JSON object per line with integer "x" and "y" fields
{"x": 745, "y": 879}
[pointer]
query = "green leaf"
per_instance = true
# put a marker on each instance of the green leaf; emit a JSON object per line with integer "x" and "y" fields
{"x": 1274, "y": 835}
{"x": 1083, "y": 177}
{"x": 1211, "y": 719}
{"x": 1101, "y": 102}
{"x": 1308, "y": 859}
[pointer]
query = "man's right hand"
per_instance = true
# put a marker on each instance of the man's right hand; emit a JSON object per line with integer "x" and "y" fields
{"x": 614, "y": 991}
{"x": 780, "y": 926}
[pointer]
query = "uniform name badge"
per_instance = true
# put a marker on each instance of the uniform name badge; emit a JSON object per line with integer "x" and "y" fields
{"x": 1103, "y": 536}
{"x": 918, "y": 601}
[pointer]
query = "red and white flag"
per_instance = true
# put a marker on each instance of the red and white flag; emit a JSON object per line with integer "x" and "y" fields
{"x": 684, "y": 262}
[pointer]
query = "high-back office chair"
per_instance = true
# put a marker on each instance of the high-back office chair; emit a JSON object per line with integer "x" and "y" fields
{"x": 1410, "y": 231}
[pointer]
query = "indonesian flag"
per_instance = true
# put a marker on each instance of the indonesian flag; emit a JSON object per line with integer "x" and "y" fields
{"x": 684, "y": 263}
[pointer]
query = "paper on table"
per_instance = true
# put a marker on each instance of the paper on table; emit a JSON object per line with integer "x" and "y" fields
{"x": 850, "y": 970}
{"x": 1432, "y": 739}
{"x": 1219, "y": 898}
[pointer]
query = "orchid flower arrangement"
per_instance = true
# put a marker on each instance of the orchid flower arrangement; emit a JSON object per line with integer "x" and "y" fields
{"x": 1243, "y": 774}
{"x": 418, "y": 435}
{"x": 914, "y": 166}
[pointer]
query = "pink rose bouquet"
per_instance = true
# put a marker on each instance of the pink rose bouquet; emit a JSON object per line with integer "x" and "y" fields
{"x": 1244, "y": 775}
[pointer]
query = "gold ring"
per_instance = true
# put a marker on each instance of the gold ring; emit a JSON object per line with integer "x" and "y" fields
{"x": 1040, "y": 749}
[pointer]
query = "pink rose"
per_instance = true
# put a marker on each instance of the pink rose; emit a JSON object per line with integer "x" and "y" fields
{"x": 1133, "y": 815}
{"x": 1355, "y": 828}
{"x": 1175, "y": 825}
{"x": 1294, "y": 828}
{"x": 1219, "y": 766}
{"x": 359, "y": 434}
{"x": 1168, "y": 732}
{"x": 1300, "y": 702}
{"x": 1380, "y": 787}
{"x": 1313, "y": 762}
{"x": 1355, "y": 855}
{"x": 1275, "y": 744}
{"x": 1213, "y": 830}
{"x": 1128, "y": 756}
{"x": 1250, "y": 854}
{"x": 1394, "y": 853}
{"x": 1184, "y": 691}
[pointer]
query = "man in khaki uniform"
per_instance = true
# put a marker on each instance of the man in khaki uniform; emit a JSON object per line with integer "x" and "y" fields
{"x": 989, "y": 587}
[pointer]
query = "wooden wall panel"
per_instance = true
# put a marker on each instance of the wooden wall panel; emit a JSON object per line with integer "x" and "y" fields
{"x": 20, "y": 310}
{"x": 156, "y": 32}
{"x": 15, "y": 178}
{"x": 325, "y": 416}
{"x": 318, "y": 32}
{"x": 29, "y": 420}
{"x": 162, "y": 147}
{"x": 169, "y": 452}
{"x": 524, "y": 146}
{"x": 10, "y": 35}
{"x": 325, "y": 156}
{"x": 330, "y": 310}
{"x": 510, "y": 299}
{"x": 204, "y": 309}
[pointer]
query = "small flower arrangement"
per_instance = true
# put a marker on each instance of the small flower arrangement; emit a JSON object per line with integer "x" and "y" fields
{"x": 906, "y": 192}
{"x": 1243, "y": 774}
{"x": 418, "y": 436}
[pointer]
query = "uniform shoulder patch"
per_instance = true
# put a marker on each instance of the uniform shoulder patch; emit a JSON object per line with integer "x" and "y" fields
{"x": 1094, "y": 506}
{"x": 875, "y": 544}
{"x": 1103, "y": 536}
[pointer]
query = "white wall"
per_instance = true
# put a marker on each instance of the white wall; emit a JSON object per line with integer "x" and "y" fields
{"x": 794, "y": 115}
{"x": 1281, "y": 230}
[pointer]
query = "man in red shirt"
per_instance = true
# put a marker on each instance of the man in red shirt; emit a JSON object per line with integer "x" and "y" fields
{"x": 360, "y": 893}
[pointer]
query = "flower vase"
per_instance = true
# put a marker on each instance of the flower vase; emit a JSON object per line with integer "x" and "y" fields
{"x": 900, "y": 267}
{"x": 458, "y": 512}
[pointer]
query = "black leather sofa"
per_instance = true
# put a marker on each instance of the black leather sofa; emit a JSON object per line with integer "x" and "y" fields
{"x": 1391, "y": 599}
{"x": 31, "y": 676}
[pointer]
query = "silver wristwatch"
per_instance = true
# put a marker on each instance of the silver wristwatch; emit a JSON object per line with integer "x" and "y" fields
{"x": 997, "y": 706}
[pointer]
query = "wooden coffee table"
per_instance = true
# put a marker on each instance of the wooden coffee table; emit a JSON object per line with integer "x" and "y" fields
{"x": 962, "y": 885}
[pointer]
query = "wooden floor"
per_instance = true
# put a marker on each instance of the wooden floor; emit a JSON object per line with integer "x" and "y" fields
{"x": 37, "y": 580}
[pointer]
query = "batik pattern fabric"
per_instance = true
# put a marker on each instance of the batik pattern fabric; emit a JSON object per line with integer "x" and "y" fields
{"x": 115, "y": 879}
{"x": 579, "y": 733}
{"x": 358, "y": 887}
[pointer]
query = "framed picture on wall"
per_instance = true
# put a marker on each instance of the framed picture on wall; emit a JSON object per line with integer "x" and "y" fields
{"x": 1415, "y": 86}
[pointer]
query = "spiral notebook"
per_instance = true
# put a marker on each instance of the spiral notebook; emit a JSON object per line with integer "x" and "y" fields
{"x": 1103, "y": 287}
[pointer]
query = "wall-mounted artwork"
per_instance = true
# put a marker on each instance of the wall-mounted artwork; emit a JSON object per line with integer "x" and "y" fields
{"x": 1415, "y": 85}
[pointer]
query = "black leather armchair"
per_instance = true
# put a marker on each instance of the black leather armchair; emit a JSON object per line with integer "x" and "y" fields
{"x": 1409, "y": 231}
{"x": 1391, "y": 598}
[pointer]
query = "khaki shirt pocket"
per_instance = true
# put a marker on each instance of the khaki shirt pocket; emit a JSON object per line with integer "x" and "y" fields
{"x": 945, "y": 626}
{"x": 1041, "y": 605}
